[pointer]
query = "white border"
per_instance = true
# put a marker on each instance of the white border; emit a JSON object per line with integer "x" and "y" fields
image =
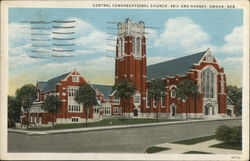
{"x": 243, "y": 4}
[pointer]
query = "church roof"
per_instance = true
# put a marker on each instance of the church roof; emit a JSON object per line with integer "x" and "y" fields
{"x": 106, "y": 90}
{"x": 172, "y": 67}
{"x": 50, "y": 85}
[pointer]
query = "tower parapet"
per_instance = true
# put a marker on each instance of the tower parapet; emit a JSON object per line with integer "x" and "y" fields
{"x": 130, "y": 28}
{"x": 131, "y": 61}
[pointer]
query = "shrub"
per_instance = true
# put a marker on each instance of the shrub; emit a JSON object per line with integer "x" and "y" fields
{"x": 236, "y": 134}
{"x": 229, "y": 135}
{"x": 223, "y": 133}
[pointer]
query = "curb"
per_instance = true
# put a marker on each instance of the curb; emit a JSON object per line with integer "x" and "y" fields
{"x": 103, "y": 128}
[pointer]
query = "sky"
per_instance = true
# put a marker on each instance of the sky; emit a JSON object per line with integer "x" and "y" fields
{"x": 175, "y": 33}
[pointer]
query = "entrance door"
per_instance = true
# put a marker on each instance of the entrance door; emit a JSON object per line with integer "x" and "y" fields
{"x": 173, "y": 111}
{"x": 229, "y": 112}
{"x": 209, "y": 109}
{"x": 135, "y": 112}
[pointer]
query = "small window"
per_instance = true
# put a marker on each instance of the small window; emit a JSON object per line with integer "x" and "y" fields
{"x": 75, "y": 119}
{"x": 75, "y": 78}
{"x": 155, "y": 103}
{"x": 173, "y": 93}
{"x": 148, "y": 100}
{"x": 163, "y": 101}
{"x": 137, "y": 99}
{"x": 117, "y": 100}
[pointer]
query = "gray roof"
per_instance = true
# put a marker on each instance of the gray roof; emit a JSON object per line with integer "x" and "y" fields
{"x": 50, "y": 85}
{"x": 172, "y": 67}
{"x": 229, "y": 101}
{"x": 106, "y": 90}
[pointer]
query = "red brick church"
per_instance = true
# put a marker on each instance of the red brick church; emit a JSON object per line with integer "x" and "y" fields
{"x": 131, "y": 64}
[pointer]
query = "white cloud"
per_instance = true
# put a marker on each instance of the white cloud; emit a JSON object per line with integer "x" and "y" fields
{"x": 231, "y": 62}
{"x": 152, "y": 36}
{"x": 233, "y": 42}
{"x": 18, "y": 34}
{"x": 89, "y": 38}
{"x": 156, "y": 59}
{"x": 182, "y": 34}
{"x": 85, "y": 52}
{"x": 101, "y": 64}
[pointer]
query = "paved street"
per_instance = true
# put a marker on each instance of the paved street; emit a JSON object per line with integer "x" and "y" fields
{"x": 132, "y": 140}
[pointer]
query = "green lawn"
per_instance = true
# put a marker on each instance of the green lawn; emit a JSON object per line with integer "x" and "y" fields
{"x": 155, "y": 149}
{"x": 106, "y": 122}
{"x": 196, "y": 152}
{"x": 232, "y": 146}
{"x": 195, "y": 140}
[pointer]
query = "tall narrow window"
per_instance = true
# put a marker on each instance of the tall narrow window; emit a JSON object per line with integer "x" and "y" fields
{"x": 133, "y": 45}
{"x": 173, "y": 93}
{"x": 163, "y": 101}
{"x": 148, "y": 101}
{"x": 121, "y": 47}
{"x": 138, "y": 46}
{"x": 208, "y": 83}
{"x": 155, "y": 103}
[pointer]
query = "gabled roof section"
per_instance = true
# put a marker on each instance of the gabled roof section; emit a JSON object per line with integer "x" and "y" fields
{"x": 41, "y": 85}
{"x": 106, "y": 90}
{"x": 50, "y": 85}
{"x": 229, "y": 101}
{"x": 173, "y": 67}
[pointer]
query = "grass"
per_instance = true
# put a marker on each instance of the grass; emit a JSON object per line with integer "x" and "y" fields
{"x": 105, "y": 122}
{"x": 195, "y": 140}
{"x": 233, "y": 146}
{"x": 155, "y": 149}
{"x": 196, "y": 152}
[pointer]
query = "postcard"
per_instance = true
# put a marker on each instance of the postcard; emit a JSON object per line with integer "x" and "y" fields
{"x": 125, "y": 80}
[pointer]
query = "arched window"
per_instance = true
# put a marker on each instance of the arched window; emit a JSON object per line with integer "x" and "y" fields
{"x": 173, "y": 93}
{"x": 208, "y": 83}
{"x": 133, "y": 45}
{"x": 121, "y": 47}
{"x": 138, "y": 46}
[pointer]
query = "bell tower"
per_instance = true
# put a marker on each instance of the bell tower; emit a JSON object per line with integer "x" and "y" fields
{"x": 130, "y": 62}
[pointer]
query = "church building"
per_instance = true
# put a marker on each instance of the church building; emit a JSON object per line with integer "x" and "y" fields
{"x": 131, "y": 64}
{"x": 202, "y": 67}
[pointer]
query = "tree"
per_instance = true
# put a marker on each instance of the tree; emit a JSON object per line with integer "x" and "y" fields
{"x": 156, "y": 91}
{"x": 26, "y": 96}
{"x": 124, "y": 89}
{"x": 235, "y": 94}
{"x": 14, "y": 111}
{"x": 186, "y": 89}
{"x": 52, "y": 104}
{"x": 86, "y": 96}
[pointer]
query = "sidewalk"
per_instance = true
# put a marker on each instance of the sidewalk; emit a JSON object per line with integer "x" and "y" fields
{"x": 201, "y": 147}
{"x": 84, "y": 129}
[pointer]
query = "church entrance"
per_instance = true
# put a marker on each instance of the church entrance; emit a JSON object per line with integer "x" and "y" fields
{"x": 135, "y": 112}
{"x": 209, "y": 109}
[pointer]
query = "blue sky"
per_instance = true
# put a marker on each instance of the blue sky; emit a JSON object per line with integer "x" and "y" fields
{"x": 179, "y": 33}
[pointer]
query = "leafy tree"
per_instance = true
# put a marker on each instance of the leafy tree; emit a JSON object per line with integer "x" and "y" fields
{"x": 235, "y": 94}
{"x": 26, "y": 96}
{"x": 52, "y": 104}
{"x": 86, "y": 96}
{"x": 124, "y": 89}
{"x": 14, "y": 111}
{"x": 186, "y": 89}
{"x": 156, "y": 91}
